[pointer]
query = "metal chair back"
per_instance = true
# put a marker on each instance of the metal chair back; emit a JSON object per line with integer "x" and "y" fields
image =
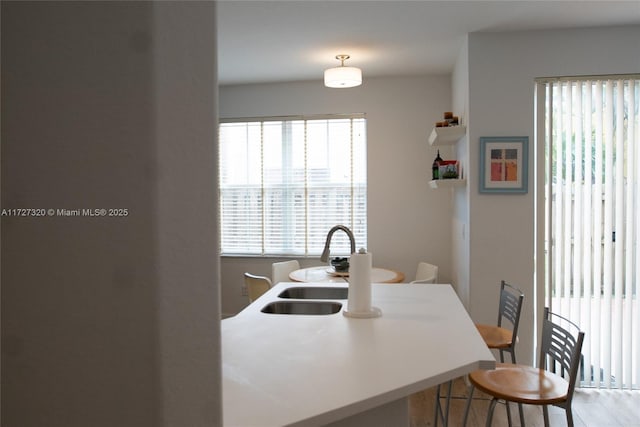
{"x": 511, "y": 300}
{"x": 561, "y": 348}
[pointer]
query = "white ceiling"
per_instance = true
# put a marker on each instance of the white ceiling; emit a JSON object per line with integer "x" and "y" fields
{"x": 275, "y": 40}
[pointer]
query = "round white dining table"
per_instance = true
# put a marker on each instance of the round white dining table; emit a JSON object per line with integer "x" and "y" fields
{"x": 324, "y": 274}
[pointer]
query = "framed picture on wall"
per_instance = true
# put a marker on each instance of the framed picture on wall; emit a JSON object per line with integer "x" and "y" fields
{"x": 503, "y": 164}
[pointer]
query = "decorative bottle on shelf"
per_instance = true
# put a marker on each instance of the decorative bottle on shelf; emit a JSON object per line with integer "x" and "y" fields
{"x": 435, "y": 167}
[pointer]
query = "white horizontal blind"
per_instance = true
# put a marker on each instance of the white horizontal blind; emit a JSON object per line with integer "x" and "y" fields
{"x": 593, "y": 177}
{"x": 285, "y": 182}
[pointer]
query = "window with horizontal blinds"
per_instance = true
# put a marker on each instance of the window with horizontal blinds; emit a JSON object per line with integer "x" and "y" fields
{"x": 284, "y": 182}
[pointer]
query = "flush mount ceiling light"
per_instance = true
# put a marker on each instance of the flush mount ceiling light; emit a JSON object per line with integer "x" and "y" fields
{"x": 342, "y": 76}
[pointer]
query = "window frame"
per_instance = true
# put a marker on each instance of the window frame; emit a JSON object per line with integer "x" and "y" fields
{"x": 356, "y": 220}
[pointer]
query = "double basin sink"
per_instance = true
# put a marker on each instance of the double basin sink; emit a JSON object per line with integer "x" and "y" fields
{"x": 307, "y": 300}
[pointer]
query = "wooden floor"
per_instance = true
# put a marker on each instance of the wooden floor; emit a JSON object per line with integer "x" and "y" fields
{"x": 591, "y": 408}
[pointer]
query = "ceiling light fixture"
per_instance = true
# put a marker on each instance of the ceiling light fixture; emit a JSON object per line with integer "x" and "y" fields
{"x": 340, "y": 77}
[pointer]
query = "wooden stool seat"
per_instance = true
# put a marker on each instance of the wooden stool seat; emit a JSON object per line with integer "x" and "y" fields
{"x": 521, "y": 384}
{"x": 495, "y": 336}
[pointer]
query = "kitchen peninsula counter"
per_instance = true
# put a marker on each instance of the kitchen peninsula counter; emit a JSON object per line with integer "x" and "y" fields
{"x": 311, "y": 370}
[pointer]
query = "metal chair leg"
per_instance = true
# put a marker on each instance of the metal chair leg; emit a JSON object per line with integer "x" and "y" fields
{"x": 441, "y": 412}
{"x": 445, "y": 423}
{"x": 492, "y": 406}
{"x": 437, "y": 410}
{"x": 569, "y": 416}
{"x": 467, "y": 406}
{"x": 520, "y": 410}
{"x": 545, "y": 413}
{"x": 508, "y": 409}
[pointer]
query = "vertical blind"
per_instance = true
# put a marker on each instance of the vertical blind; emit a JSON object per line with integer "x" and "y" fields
{"x": 593, "y": 225}
{"x": 284, "y": 182}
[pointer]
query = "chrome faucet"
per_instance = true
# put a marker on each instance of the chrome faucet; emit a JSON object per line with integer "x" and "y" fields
{"x": 325, "y": 253}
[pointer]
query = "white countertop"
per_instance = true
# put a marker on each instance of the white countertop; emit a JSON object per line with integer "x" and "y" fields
{"x": 312, "y": 370}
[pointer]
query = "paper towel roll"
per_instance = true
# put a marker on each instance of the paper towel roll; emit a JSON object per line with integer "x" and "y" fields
{"x": 360, "y": 282}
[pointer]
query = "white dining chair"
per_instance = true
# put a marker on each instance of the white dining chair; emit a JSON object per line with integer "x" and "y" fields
{"x": 256, "y": 285}
{"x": 426, "y": 273}
{"x": 280, "y": 270}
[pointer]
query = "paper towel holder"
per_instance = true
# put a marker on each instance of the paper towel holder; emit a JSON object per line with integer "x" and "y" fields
{"x": 357, "y": 310}
{"x": 373, "y": 312}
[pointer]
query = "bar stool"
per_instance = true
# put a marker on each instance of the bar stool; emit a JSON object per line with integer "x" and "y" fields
{"x": 496, "y": 336}
{"x": 500, "y": 338}
{"x": 552, "y": 383}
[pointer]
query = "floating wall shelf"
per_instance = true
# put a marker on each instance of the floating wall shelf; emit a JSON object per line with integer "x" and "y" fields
{"x": 447, "y": 183}
{"x": 446, "y": 135}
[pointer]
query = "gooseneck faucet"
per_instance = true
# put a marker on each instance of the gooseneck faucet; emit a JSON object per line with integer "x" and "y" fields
{"x": 325, "y": 253}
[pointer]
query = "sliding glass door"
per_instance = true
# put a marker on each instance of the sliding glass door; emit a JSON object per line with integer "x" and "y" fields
{"x": 592, "y": 219}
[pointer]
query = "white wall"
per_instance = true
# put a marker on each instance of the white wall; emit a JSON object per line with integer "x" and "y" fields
{"x": 408, "y": 222}
{"x": 502, "y": 69}
{"x": 460, "y": 222}
{"x": 110, "y": 321}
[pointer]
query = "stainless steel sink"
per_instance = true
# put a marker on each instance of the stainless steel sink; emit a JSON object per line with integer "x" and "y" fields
{"x": 302, "y": 307}
{"x": 315, "y": 293}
